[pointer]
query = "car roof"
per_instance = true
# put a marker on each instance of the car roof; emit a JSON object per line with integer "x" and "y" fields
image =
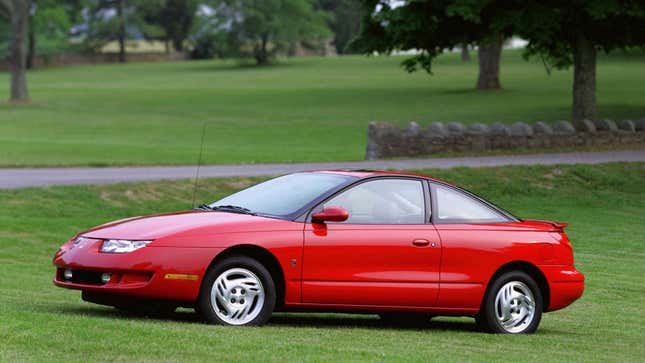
{"x": 365, "y": 173}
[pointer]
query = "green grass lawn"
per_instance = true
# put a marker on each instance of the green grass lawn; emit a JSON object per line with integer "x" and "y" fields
{"x": 605, "y": 205}
{"x": 306, "y": 109}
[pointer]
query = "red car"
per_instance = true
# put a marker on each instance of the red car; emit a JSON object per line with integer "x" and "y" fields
{"x": 404, "y": 246}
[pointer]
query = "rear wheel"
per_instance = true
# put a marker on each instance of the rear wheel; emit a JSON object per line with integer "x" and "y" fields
{"x": 237, "y": 291}
{"x": 512, "y": 305}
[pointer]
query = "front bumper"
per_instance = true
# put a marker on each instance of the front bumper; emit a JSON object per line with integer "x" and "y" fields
{"x": 566, "y": 285}
{"x": 172, "y": 273}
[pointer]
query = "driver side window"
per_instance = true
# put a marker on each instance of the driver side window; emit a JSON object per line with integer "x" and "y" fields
{"x": 383, "y": 201}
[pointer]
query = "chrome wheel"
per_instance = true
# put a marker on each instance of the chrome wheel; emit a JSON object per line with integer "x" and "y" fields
{"x": 514, "y": 307}
{"x": 237, "y": 296}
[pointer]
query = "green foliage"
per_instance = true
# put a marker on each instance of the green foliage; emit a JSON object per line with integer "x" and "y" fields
{"x": 106, "y": 24}
{"x": 207, "y": 45}
{"x": 259, "y": 29}
{"x": 5, "y": 34}
{"x": 211, "y": 37}
{"x": 50, "y": 23}
{"x": 604, "y": 205}
{"x": 344, "y": 21}
{"x": 551, "y": 27}
{"x": 174, "y": 17}
{"x": 431, "y": 26}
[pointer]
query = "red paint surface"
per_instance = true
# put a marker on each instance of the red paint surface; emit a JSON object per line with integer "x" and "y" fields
{"x": 443, "y": 268}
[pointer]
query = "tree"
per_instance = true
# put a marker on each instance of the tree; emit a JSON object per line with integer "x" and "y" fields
{"x": 465, "y": 53}
{"x": 110, "y": 20}
{"x": 432, "y": 26}
{"x": 17, "y": 12}
{"x": 174, "y": 17}
{"x": 563, "y": 33}
{"x": 345, "y": 21}
{"x": 566, "y": 33}
{"x": 261, "y": 28}
{"x": 120, "y": 32}
{"x": 49, "y": 21}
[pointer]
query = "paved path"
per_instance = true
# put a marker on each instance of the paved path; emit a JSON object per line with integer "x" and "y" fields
{"x": 20, "y": 178}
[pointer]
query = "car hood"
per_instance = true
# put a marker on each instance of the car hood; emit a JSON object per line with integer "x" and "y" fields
{"x": 165, "y": 225}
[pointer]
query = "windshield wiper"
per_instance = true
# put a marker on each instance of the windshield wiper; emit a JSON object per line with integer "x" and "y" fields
{"x": 204, "y": 207}
{"x": 232, "y": 208}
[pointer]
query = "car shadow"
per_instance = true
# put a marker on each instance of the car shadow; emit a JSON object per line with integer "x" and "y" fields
{"x": 181, "y": 316}
{"x": 304, "y": 320}
{"x": 369, "y": 322}
{"x": 317, "y": 320}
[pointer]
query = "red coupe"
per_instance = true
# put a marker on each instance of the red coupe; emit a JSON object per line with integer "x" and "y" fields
{"x": 404, "y": 246}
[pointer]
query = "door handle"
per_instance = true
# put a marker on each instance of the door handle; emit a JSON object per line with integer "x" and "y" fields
{"x": 420, "y": 242}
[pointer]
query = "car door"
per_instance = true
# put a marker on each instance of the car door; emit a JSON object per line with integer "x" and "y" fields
{"x": 385, "y": 254}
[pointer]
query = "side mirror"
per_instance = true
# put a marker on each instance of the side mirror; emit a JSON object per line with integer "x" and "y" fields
{"x": 331, "y": 214}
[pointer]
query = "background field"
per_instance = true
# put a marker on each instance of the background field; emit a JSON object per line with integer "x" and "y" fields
{"x": 306, "y": 109}
{"x": 605, "y": 205}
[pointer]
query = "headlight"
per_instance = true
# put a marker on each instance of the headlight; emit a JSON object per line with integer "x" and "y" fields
{"x": 122, "y": 245}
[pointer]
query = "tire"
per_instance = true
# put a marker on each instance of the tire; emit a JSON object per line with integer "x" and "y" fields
{"x": 512, "y": 305}
{"x": 405, "y": 319}
{"x": 238, "y": 291}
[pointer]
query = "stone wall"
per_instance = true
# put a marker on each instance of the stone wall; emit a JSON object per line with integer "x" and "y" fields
{"x": 386, "y": 140}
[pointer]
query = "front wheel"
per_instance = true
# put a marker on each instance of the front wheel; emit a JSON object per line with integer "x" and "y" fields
{"x": 512, "y": 305}
{"x": 237, "y": 291}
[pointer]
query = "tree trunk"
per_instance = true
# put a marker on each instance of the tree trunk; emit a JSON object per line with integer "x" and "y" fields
{"x": 31, "y": 48}
{"x": 18, "y": 51}
{"x": 465, "y": 53}
{"x": 121, "y": 32}
{"x": 489, "y": 57}
{"x": 584, "y": 80}
{"x": 261, "y": 52}
{"x": 178, "y": 44}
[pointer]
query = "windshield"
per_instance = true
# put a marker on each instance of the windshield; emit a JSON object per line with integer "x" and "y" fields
{"x": 284, "y": 195}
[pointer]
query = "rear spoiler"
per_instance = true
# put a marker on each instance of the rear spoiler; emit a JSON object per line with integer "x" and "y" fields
{"x": 560, "y": 225}
{"x": 557, "y": 225}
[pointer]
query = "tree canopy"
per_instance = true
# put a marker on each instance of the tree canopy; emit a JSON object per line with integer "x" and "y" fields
{"x": 261, "y": 28}
{"x": 175, "y": 18}
{"x": 561, "y": 32}
{"x": 344, "y": 20}
{"x": 569, "y": 33}
{"x": 430, "y": 26}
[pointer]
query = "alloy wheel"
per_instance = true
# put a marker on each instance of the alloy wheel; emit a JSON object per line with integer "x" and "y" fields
{"x": 237, "y": 296}
{"x": 514, "y": 307}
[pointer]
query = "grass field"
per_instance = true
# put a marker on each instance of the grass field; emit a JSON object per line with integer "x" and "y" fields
{"x": 605, "y": 205}
{"x": 306, "y": 109}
